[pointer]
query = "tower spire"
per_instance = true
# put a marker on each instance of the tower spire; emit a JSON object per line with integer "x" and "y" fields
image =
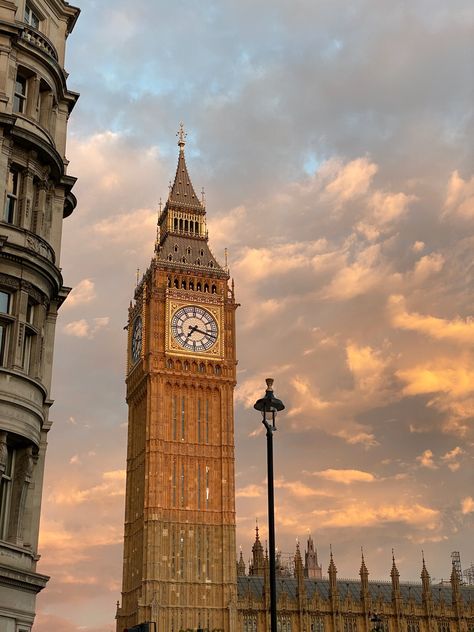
{"x": 181, "y": 134}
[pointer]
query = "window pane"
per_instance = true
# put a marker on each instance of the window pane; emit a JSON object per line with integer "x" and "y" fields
{"x": 2, "y": 343}
{"x": 4, "y": 302}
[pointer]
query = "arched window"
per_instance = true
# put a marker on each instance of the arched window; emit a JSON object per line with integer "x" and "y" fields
{"x": 186, "y": 225}
{"x": 217, "y": 369}
{"x": 180, "y": 224}
{"x": 201, "y": 367}
{"x": 176, "y": 283}
{"x": 191, "y": 285}
{"x": 183, "y": 259}
{"x": 168, "y": 281}
{"x": 202, "y": 253}
{"x": 170, "y": 257}
{"x": 214, "y": 289}
{"x": 176, "y": 247}
{"x": 175, "y": 224}
{"x": 183, "y": 284}
{"x": 206, "y": 287}
{"x": 169, "y": 363}
{"x": 196, "y": 228}
{"x": 188, "y": 251}
{"x": 198, "y": 286}
{"x": 198, "y": 261}
{"x": 211, "y": 264}
{"x": 186, "y": 365}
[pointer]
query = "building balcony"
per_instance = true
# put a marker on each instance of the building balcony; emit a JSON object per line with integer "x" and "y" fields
{"x": 38, "y": 40}
{"x": 22, "y": 405}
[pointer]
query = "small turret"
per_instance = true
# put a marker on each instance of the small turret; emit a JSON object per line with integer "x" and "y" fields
{"x": 241, "y": 565}
{"x": 364, "y": 579}
{"x": 426, "y": 587}
{"x": 312, "y": 569}
{"x": 332, "y": 572}
{"x": 258, "y": 561}
{"x": 395, "y": 575}
{"x": 455, "y": 583}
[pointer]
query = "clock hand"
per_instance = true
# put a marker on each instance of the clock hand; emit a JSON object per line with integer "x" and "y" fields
{"x": 191, "y": 331}
{"x": 205, "y": 333}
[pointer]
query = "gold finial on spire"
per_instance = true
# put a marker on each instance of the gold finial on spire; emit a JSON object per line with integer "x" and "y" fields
{"x": 181, "y": 134}
{"x": 160, "y": 204}
{"x": 138, "y": 275}
{"x": 226, "y": 260}
{"x": 203, "y": 197}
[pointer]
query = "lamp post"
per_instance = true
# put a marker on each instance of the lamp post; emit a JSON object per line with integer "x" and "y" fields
{"x": 269, "y": 406}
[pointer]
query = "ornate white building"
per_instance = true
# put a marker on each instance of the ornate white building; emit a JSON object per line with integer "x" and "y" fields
{"x": 35, "y": 104}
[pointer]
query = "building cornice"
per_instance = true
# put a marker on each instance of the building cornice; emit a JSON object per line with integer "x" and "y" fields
{"x": 12, "y": 577}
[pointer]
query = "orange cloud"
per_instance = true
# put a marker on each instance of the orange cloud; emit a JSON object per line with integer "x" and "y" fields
{"x": 426, "y": 460}
{"x": 250, "y": 491}
{"x": 113, "y": 485}
{"x": 454, "y": 376}
{"x": 86, "y": 328}
{"x": 346, "y": 476}
{"x": 460, "y": 196}
{"x": 458, "y": 330}
{"x": 83, "y": 292}
{"x": 350, "y": 180}
{"x": 467, "y": 505}
{"x": 367, "y": 366}
{"x": 360, "y": 515}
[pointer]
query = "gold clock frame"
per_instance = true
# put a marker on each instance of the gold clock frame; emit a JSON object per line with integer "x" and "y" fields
{"x": 216, "y": 352}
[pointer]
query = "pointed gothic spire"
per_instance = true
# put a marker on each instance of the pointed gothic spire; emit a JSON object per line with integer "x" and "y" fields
{"x": 455, "y": 582}
{"x": 182, "y": 194}
{"x": 364, "y": 577}
{"x": 363, "y": 568}
{"x": 426, "y": 582}
{"x": 395, "y": 575}
{"x": 258, "y": 560}
{"x": 332, "y": 572}
{"x": 241, "y": 565}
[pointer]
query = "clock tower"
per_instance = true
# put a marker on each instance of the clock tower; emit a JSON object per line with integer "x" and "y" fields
{"x": 179, "y": 569}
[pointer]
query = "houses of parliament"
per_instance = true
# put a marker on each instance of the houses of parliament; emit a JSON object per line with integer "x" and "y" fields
{"x": 179, "y": 567}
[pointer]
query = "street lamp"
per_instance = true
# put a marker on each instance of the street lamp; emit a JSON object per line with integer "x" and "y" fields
{"x": 269, "y": 406}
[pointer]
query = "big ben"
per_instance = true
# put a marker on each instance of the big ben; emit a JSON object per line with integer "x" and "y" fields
{"x": 179, "y": 569}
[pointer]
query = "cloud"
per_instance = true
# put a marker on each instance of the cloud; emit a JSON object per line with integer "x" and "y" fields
{"x": 113, "y": 484}
{"x": 428, "y": 266}
{"x": 360, "y": 276}
{"x": 426, "y": 460}
{"x": 453, "y": 376}
{"x": 457, "y": 330}
{"x": 367, "y": 366}
{"x": 460, "y": 196}
{"x": 86, "y": 328}
{"x": 250, "y": 491}
{"x": 467, "y": 505}
{"x": 299, "y": 489}
{"x": 451, "y": 458}
{"x": 350, "y": 180}
{"x": 128, "y": 227}
{"x": 363, "y": 515}
{"x": 83, "y": 292}
{"x": 347, "y": 477}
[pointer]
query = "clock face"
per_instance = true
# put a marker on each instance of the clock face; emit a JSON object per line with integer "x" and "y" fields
{"x": 137, "y": 339}
{"x": 194, "y": 328}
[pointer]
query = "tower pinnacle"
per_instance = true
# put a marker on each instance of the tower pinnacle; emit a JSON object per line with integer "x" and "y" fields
{"x": 181, "y": 134}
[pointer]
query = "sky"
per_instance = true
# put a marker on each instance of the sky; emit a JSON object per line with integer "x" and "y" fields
{"x": 334, "y": 142}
